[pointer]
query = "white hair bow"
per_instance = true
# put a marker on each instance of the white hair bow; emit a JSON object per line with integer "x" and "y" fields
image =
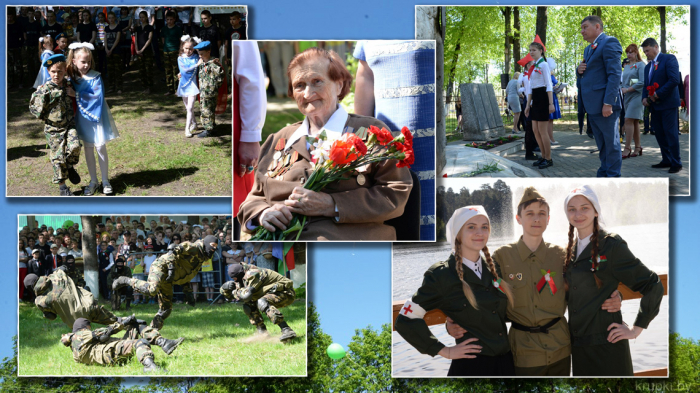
{"x": 41, "y": 39}
{"x": 184, "y": 38}
{"x": 197, "y": 40}
{"x": 77, "y": 45}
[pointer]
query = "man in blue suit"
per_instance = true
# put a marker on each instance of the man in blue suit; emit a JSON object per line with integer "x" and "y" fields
{"x": 663, "y": 104}
{"x": 598, "y": 78}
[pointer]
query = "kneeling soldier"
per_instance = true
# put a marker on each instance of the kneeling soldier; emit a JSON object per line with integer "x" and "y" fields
{"x": 98, "y": 347}
{"x": 261, "y": 291}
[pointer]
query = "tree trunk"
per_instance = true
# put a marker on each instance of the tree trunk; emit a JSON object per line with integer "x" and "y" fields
{"x": 516, "y": 37}
{"x": 541, "y": 24}
{"x": 90, "y": 265}
{"x": 508, "y": 37}
{"x": 453, "y": 69}
{"x": 662, "y": 19}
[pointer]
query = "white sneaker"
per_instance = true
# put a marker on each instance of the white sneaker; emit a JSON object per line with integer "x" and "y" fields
{"x": 107, "y": 188}
{"x": 90, "y": 189}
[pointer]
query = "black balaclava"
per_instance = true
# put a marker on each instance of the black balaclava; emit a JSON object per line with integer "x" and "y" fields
{"x": 208, "y": 249}
{"x": 30, "y": 280}
{"x": 122, "y": 261}
{"x": 80, "y": 324}
{"x": 70, "y": 261}
{"x": 236, "y": 271}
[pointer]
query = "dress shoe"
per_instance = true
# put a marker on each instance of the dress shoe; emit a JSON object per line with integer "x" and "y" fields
{"x": 661, "y": 165}
{"x": 675, "y": 169}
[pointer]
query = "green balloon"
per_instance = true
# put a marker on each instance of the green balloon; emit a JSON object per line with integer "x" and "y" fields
{"x": 335, "y": 351}
{"x": 67, "y": 224}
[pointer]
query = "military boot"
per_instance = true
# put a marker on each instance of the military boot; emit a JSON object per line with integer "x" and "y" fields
{"x": 168, "y": 346}
{"x": 287, "y": 332}
{"x": 149, "y": 365}
{"x": 261, "y": 329}
{"x": 121, "y": 282}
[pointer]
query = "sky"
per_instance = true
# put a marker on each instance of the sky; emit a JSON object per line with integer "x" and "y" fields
{"x": 340, "y": 283}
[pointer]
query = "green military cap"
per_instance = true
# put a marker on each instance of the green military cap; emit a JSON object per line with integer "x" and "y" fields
{"x": 530, "y": 194}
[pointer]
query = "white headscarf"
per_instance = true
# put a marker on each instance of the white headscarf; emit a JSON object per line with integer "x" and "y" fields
{"x": 587, "y": 193}
{"x": 459, "y": 218}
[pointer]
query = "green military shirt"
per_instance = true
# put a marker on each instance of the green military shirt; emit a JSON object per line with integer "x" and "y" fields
{"x": 115, "y": 273}
{"x": 76, "y": 276}
{"x": 522, "y": 269}
{"x": 187, "y": 259}
{"x": 258, "y": 281}
{"x": 442, "y": 289}
{"x": 587, "y": 321}
{"x": 58, "y": 294}
{"x": 52, "y": 104}
{"x": 211, "y": 76}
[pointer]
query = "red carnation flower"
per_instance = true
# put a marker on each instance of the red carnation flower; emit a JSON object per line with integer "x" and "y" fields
{"x": 383, "y": 136}
{"x": 357, "y": 142}
{"x": 408, "y": 160}
{"x": 407, "y": 136}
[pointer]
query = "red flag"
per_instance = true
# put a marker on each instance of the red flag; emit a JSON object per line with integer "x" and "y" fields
{"x": 289, "y": 258}
{"x": 523, "y": 62}
{"x": 539, "y": 41}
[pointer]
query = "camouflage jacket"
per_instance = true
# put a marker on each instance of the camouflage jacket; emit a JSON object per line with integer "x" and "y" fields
{"x": 52, "y": 104}
{"x": 258, "y": 282}
{"x": 76, "y": 276}
{"x": 186, "y": 258}
{"x": 86, "y": 345}
{"x": 211, "y": 76}
{"x": 58, "y": 294}
{"x": 115, "y": 273}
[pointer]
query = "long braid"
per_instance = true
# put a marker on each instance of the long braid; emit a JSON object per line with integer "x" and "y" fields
{"x": 460, "y": 273}
{"x": 594, "y": 252}
{"x": 569, "y": 254}
{"x": 492, "y": 268}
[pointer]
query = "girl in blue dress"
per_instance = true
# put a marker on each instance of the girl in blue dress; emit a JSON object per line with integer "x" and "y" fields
{"x": 187, "y": 89}
{"x": 94, "y": 121}
{"x": 45, "y": 51}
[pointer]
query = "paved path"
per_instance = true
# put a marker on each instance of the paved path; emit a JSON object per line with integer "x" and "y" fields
{"x": 577, "y": 156}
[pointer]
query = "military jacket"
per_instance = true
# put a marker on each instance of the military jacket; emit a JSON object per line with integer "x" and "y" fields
{"x": 88, "y": 349}
{"x": 442, "y": 289}
{"x": 258, "y": 282}
{"x": 52, "y": 104}
{"x": 187, "y": 259}
{"x": 363, "y": 205}
{"x": 522, "y": 270}
{"x": 211, "y": 76}
{"x": 58, "y": 294}
{"x": 587, "y": 321}
{"x": 76, "y": 276}
{"x": 114, "y": 273}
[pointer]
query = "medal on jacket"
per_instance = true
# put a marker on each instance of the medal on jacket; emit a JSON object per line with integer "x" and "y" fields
{"x": 547, "y": 279}
{"x": 278, "y": 149}
{"x": 497, "y": 284}
{"x": 361, "y": 179}
{"x": 601, "y": 258}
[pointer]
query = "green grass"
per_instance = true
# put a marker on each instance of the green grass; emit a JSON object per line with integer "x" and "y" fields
{"x": 152, "y": 156}
{"x": 218, "y": 341}
{"x": 276, "y": 120}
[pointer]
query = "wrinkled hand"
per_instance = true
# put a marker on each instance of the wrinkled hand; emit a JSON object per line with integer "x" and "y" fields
{"x": 454, "y": 329}
{"x": 310, "y": 203}
{"x": 581, "y": 67}
{"x": 248, "y": 153}
{"x": 607, "y": 110}
{"x": 619, "y": 332}
{"x": 461, "y": 350}
{"x": 613, "y": 303}
{"x": 277, "y": 216}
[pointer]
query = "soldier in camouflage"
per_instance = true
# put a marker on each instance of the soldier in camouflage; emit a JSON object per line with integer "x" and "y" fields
{"x": 51, "y": 103}
{"x": 74, "y": 273}
{"x": 211, "y": 76}
{"x": 261, "y": 291}
{"x": 98, "y": 347}
{"x": 120, "y": 270}
{"x": 57, "y": 295}
{"x": 177, "y": 267}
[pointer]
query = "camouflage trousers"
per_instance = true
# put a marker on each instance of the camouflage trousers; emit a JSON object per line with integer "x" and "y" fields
{"x": 65, "y": 150}
{"x": 133, "y": 343}
{"x": 275, "y": 301}
{"x": 146, "y": 68}
{"x": 117, "y": 297}
{"x": 99, "y": 314}
{"x": 207, "y": 108}
{"x": 171, "y": 70}
{"x": 15, "y": 70}
{"x": 115, "y": 71}
{"x": 33, "y": 63}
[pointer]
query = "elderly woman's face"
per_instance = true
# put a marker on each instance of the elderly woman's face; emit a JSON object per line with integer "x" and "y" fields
{"x": 314, "y": 91}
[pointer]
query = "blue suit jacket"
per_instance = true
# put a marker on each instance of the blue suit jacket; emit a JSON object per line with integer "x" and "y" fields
{"x": 600, "y": 83}
{"x": 668, "y": 78}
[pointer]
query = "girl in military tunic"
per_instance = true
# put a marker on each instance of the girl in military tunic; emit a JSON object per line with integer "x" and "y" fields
{"x": 594, "y": 267}
{"x": 468, "y": 290}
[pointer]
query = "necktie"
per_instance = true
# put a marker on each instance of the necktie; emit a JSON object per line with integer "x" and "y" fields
{"x": 651, "y": 70}
{"x": 54, "y": 261}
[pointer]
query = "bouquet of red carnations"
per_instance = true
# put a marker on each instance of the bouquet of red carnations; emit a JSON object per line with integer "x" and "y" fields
{"x": 334, "y": 159}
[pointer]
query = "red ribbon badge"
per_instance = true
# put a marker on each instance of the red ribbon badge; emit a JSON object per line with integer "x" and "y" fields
{"x": 547, "y": 278}
{"x": 497, "y": 284}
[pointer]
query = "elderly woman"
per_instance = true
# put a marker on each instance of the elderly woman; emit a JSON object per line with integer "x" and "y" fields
{"x": 354, "y": 208}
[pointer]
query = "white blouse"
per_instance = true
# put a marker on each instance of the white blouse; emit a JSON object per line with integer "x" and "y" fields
{"x": 474, "y": 266}
{"x": 542, "y": 78}
{"x": 247, "y": 70}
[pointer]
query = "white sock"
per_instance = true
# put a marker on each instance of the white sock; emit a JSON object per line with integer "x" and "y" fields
{"x": 90, "y": 161}
{"x": 104, "y": 163}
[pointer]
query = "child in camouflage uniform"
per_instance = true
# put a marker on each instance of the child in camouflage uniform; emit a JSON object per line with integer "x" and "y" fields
{"x": 261, "y": 291}
{"x": 211, "y": 76}
{"x": 51, "y": 103}
{"x": 98, "y": 347}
